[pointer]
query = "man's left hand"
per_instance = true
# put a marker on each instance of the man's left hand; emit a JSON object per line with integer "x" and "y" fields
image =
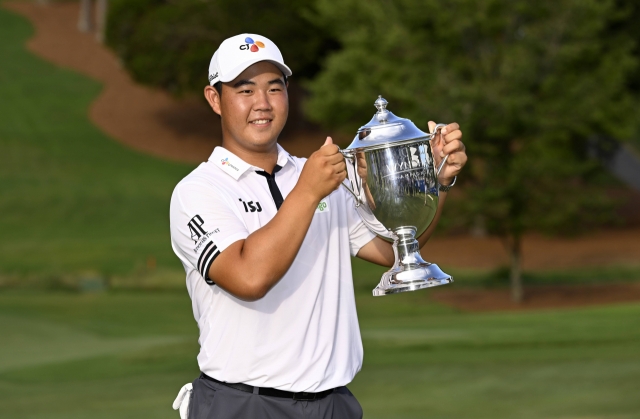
{"x": 448, "y": 141}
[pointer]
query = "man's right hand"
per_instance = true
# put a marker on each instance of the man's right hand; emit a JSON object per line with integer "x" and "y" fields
{"x": 249, "y": 268}
{"x": 323, "y": 172}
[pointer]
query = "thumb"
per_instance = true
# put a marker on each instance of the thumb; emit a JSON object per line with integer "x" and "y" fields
{"x": 327, "y": 141}
{"x": 432, "y": 126}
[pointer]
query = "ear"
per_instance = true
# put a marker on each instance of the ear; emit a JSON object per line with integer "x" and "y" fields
{"x": 212, "y": 96}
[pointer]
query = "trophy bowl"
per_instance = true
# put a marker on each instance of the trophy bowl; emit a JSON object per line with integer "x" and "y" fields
{"x": 392, "y": 176}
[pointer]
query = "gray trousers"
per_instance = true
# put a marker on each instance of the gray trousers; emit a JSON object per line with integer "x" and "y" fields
{"x": 211, "y": 400}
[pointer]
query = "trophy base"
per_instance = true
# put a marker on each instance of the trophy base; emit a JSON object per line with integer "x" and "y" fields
{"x": 411, "y": 278}
{"x": 410, "y": 272}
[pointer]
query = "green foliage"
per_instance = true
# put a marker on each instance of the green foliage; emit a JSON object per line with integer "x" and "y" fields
{"x": 126, "y": 355}
{"x": 170, "y": 43}
{"x": 529, "y": 83}
{"x": 71, "y": 199}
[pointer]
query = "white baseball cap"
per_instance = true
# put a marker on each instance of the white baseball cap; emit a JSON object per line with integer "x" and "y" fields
{"x": 237, "y": 53}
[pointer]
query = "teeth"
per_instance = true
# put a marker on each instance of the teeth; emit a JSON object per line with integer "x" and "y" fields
{"x": 260, "y": 121}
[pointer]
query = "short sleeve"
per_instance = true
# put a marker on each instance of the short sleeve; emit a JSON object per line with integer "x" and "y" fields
{"x": 203, "y": 224}
{"x": 359, "y": 233}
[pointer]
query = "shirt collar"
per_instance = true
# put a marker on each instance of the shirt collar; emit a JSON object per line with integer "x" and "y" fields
{"x": 283, "y": 157}
{"x": 235, "y": 167}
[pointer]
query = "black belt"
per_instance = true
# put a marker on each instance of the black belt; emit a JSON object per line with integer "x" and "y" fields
{"x": 265, "y": 391}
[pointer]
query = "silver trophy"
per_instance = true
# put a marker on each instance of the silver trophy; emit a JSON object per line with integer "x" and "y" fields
{"x": 392, "y": 176}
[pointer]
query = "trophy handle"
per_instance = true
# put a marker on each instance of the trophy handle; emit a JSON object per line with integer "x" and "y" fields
{"x": 351, "y": 159}
{"x": 444, "y": 159}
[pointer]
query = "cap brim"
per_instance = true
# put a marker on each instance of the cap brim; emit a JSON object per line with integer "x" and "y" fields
{"x": 231, "y": 75}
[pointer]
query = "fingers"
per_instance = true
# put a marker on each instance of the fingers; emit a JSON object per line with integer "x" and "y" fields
{"x": 451, "y": 136}
{"x": 452, "y": 147}
{"x": 450, "y": 128}
{"x": 331, "y": 156}
{"x": 451, "y": 132}
{"x": 458, "y": 160}
{"x": 335, "y": 158}
{"x": 331, "y": 153}
{"x": 329, "y": 148}
{"x": 449, "y": 143}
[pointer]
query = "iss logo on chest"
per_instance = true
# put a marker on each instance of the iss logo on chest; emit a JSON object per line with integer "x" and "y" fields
{"x": 323, "y": 206}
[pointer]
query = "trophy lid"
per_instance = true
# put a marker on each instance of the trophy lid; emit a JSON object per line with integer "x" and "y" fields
{"x": 385, "y": 129}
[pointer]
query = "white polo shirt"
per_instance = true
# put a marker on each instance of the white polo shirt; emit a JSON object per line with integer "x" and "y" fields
{"x": 304, "y": 334}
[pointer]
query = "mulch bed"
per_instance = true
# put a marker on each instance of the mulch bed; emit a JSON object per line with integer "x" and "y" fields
{"x": 156, "y": 123}
{"x": 539, "y": 297}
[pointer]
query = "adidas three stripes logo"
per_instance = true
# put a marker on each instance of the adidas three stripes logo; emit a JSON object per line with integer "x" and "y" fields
{"x": 208, "y": 255}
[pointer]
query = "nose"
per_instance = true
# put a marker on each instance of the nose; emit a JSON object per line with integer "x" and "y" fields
{"x": 261, "y": 101}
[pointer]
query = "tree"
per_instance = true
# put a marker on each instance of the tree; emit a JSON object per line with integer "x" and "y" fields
{"x": 102, "y": 7}
{"x": 169, "y": 43}
{"x": 85, "y": 21}
{"x": 529, "y": 82}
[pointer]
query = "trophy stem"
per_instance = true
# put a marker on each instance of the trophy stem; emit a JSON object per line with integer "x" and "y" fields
{"x": 409, "y": 272}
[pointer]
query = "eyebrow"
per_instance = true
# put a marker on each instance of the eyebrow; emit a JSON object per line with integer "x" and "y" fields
{"x": 252, "y": 83}
{"x": 243, "y": 82}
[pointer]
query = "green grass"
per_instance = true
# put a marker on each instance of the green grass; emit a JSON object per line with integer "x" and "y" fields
{"x": 366, "y": 273}
{"x": 76, "y": 204}
{"x": 125, "y": 355}
{"x": 71, "y": 199}
{"x": 420, "y": 362}
{"x": 582, "y": 275}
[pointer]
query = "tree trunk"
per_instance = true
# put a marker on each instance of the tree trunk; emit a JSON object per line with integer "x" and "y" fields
{"x": 84, "y": 22}
{"x": 479, "y": 227}
{"x": 102, "y": 7}
{"x": 515, "y": 270}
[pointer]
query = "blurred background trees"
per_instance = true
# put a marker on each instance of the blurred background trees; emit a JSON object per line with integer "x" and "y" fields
{"x": 87, "y": 265}
{"x": 169, "y": 43}
{"x": 530, "y": 83}
{"x": 93, "y": 17}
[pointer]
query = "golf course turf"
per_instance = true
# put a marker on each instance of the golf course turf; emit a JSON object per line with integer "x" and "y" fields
{"x": 125, "y": 355}
{"x": 73, "y": 201}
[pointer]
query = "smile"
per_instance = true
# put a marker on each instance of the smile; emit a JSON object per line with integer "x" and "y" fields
{"x": 261, "y": 121}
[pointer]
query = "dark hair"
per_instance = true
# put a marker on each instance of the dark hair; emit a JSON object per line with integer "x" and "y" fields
{"x": 218, "y": 85}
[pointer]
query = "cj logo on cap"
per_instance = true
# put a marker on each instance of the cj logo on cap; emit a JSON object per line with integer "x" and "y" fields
{"x": 251, "y": 45}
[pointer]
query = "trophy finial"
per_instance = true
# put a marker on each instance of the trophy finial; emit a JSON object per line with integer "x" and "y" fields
{"x": 381, "y": 105}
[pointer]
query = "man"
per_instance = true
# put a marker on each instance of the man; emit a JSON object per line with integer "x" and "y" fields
{"x": 268, "y": 271}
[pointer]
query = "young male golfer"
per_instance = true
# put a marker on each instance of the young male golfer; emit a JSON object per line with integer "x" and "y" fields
{"x": 268, "y": 267}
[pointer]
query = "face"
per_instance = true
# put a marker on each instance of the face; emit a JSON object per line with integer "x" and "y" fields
{"x": 253, "y": 108}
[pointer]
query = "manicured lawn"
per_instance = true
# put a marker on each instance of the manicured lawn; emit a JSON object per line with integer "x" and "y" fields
{"x": 75, "y": 203}
{"x": 71, "y": 199}
{"x": 125, "y": 355}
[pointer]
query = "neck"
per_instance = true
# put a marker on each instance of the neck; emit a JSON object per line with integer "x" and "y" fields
{"x": 264, "y": 158}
